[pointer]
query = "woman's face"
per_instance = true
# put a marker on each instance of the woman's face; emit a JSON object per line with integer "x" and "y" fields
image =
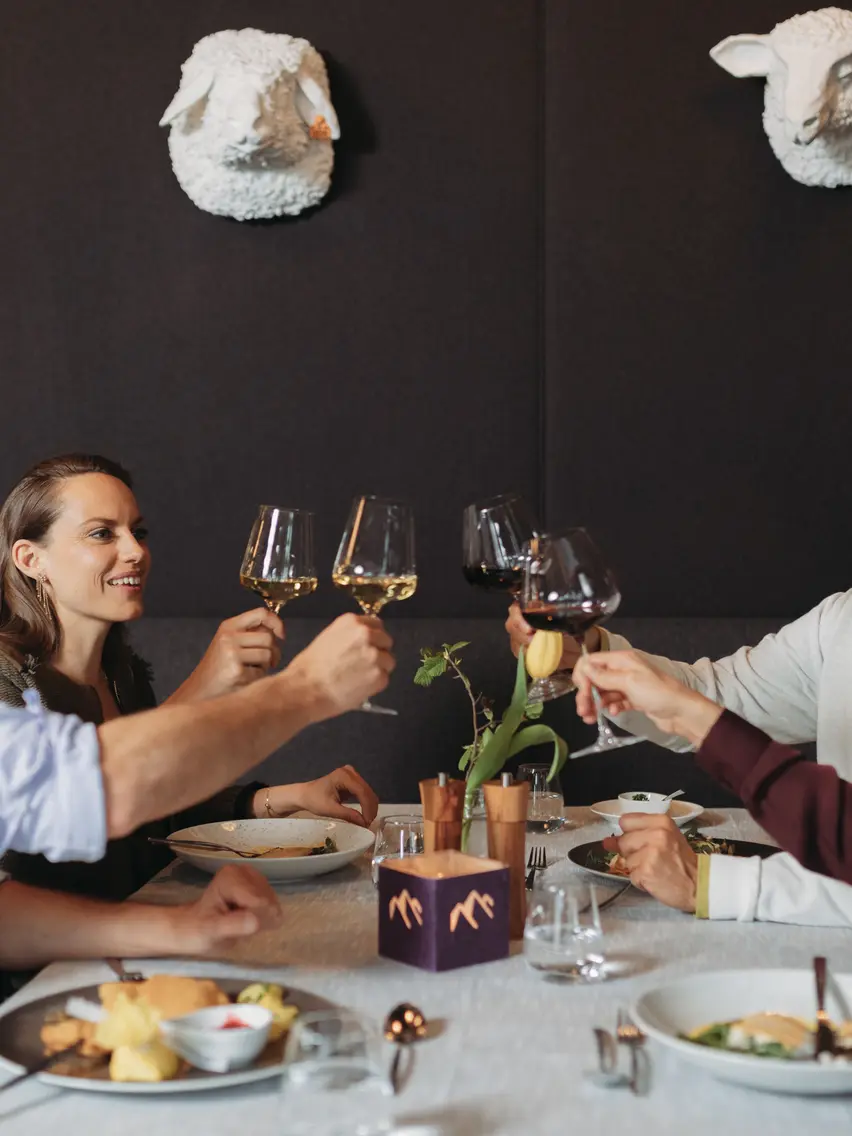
{"x": 95, "y": 556}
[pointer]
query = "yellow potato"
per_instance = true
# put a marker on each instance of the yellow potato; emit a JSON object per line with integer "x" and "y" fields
{"x": 151, "y": 1062}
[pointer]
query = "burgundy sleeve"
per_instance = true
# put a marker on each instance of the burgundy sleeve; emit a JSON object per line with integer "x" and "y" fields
{"x": 806, "y": 807}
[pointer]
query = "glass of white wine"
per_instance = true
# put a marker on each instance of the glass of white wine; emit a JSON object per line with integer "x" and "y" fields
{"x": 279, "y": 559}
{"x": 375, "y": 561}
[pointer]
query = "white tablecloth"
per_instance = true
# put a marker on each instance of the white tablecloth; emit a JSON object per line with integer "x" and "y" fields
{"x": 512, "y": 1051}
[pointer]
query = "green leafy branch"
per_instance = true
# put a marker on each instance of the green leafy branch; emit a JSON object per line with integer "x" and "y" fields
{"x": 492, "y": 743}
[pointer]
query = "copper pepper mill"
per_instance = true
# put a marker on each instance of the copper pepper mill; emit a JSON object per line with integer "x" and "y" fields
{"x": 443, "y": 808}
{"x": 506, "y": 804}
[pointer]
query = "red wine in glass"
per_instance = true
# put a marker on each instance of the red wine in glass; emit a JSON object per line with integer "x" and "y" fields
{"x": 571, "y": 621}
{"x": 495, "y": 534}
{"x": 510, "y": 579}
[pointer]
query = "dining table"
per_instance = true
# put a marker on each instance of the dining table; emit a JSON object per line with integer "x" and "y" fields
{"x": 508, "y": 1052}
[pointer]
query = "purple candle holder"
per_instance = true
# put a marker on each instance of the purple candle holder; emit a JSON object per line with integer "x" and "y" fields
{"x": 443, "y": 910}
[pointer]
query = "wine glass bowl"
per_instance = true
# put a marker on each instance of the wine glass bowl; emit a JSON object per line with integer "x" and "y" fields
{"x": 569, "y": 588}
{"x": 495, "y": 533}
{"x": 278, "y": 563}
{"x": 375, "y": 562}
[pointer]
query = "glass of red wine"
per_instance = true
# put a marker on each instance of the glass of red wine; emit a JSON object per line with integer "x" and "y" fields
{"x": 495, "y": 534}
{"x": 569, "y": 588}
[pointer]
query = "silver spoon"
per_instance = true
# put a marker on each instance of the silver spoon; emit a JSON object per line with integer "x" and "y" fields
{"x": 403, "y": 1025}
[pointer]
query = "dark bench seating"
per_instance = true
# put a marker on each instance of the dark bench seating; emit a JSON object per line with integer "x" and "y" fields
{"x": 434, "y": 724}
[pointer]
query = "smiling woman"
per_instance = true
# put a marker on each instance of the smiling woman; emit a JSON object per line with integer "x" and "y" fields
{"x": 74, "y": 562}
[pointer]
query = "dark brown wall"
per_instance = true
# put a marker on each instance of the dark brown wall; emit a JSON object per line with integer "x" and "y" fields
{"x": 683, "y": 391}
{"x": 699, "y": 312}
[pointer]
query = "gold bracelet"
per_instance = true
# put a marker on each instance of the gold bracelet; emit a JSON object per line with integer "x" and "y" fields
{"x": 269, "y": 812}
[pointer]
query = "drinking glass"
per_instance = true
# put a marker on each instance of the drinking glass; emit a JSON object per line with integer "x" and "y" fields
{"x": 495, "y": 534}
{"x": 278, "y": 562}
{"x": 397, "y": 837}
{"x": 335, "y": 1080}
{"x": 563, "y": 938}
{"x": 544, "y": 812}
{"x": 375, "y": 561}
{"x": 569, "y": 588}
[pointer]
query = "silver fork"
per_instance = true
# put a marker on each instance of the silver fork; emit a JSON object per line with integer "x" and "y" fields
{"x": 208, "y": 846}
{"x": 630, "y": 1035}
{"x": 536, "y": 862}
{"x": 117, "y": 966}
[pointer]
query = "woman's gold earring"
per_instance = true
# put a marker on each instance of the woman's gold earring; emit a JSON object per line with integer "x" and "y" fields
{"x": 41, "y": 594}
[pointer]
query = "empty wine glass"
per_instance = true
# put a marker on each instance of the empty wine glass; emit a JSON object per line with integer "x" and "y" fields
{"x": 335, "y": 1080}
{"x": 495, "y": 534}
{"x": 375, "y": 561}
{"x": 278, "y": 563}
{"x": 569, "y": 588}
{"x": 563, "y": 938}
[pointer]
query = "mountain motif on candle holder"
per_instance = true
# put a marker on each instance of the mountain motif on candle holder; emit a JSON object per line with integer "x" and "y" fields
{"x": 405, "y": 904}
{"x": 468, "y": 907}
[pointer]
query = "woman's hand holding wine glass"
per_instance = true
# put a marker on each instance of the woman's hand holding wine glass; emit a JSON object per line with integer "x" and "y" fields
{"x": 244, "y": 648}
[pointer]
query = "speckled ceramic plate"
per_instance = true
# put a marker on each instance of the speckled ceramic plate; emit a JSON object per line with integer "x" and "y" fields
{"x": 249, "y": 835}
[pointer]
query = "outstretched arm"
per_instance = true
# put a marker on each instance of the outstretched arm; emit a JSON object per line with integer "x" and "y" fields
{"x": 40, "y": 926}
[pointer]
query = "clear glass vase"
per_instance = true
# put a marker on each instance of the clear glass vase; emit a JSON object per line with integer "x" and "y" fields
{"x": 474, "y": 828}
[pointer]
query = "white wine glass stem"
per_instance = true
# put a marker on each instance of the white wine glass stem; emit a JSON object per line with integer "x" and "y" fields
{"x": 367, "y": 706}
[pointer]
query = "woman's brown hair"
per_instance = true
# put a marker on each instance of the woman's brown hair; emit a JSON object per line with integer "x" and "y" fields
{"x": 26, "y": 627}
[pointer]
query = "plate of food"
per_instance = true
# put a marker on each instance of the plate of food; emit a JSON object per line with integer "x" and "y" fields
{"x": 753, "y": 1027}
{"x": 681, "y": 812}
{"x": 133, "y": 1037}
{"x": 594, "y": 858}
{"x": 289, "y": 849}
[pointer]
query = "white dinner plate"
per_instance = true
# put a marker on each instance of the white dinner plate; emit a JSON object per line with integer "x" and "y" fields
{"x": 687, "y": 1003}
{"x": 248, "y": 835}
{"x": 20, "y": 1047}
{"x": 681, "y": 812}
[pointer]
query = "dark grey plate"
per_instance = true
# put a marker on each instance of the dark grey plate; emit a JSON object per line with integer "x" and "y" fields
{"x": 20, "y": 1045}
{"x": 582, "y": 854}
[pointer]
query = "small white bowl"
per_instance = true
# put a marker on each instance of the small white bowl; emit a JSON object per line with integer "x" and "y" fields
{"x": 202, "y": 1041}
{"x": 682, "y": 812}
{"x": 654, "y": 804}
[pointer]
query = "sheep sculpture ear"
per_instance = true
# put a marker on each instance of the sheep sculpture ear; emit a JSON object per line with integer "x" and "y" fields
{"x": 312, "y": 104}
{"x": 743, "y": 56}
{"x": 188, "y": 96}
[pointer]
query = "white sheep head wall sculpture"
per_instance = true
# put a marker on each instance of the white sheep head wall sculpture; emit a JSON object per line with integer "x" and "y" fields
{"x": 252, "y": 125}
{"x": 807, "y": 63}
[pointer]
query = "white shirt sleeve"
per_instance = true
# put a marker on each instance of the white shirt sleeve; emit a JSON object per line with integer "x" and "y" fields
{"x": 773, "y": 685}
{"x": 51, "y": 788}
{"x": 776, "y": 890}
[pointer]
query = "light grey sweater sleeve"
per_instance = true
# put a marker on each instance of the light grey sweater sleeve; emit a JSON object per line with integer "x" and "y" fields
{"x": 773, "y": 685}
